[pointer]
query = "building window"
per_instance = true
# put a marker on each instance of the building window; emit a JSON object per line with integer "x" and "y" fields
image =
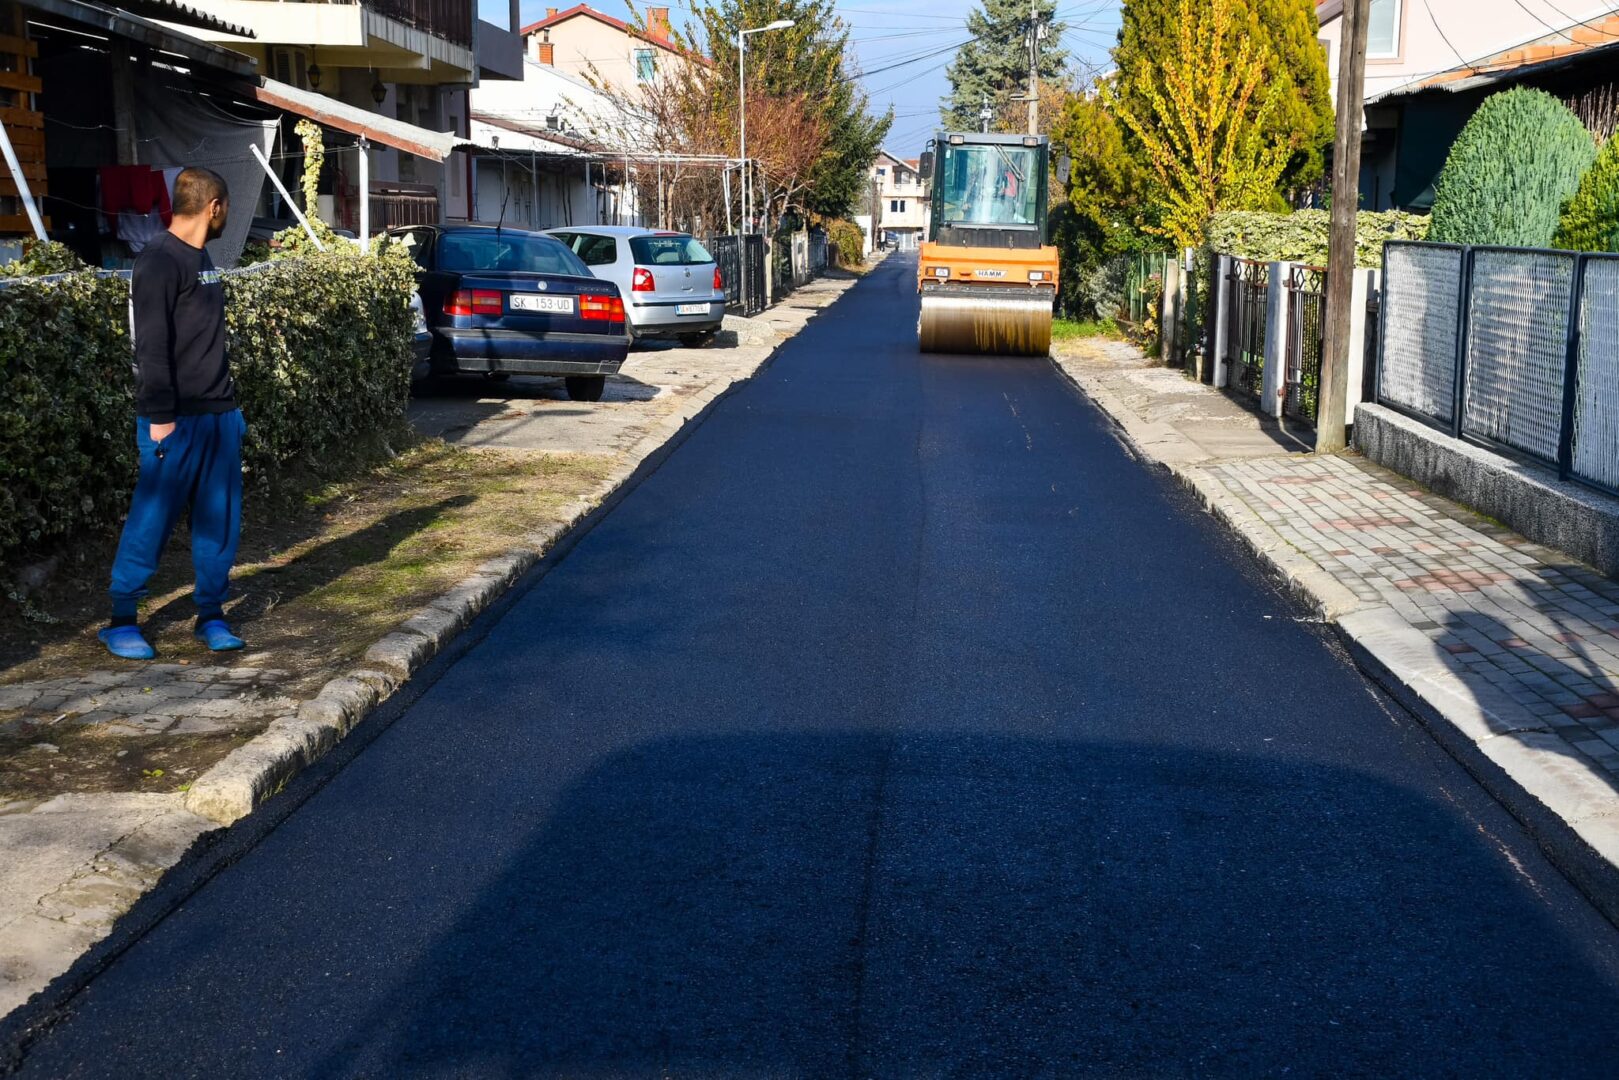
{"x": 1326, "y": 52}
{"x": 1383, "y": 30}
{"x": 896, "y": 206}
{"x": 882, "y": 171}
{"x": 646, "y": 67}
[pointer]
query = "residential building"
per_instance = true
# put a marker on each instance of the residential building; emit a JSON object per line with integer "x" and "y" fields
{"x": 546, "y": 153}
{"x": 902, "y": 201}
{"x": 408, "y": 61}
{"x": 1430, "y": 62}
{"x": 587, "y": 44}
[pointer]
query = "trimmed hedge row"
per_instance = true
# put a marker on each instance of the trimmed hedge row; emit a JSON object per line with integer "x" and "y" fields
{"x": 320, "y": 348}
{"x": 1302, "y": 235}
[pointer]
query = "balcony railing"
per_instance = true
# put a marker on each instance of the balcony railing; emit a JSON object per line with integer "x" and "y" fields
{"x": 447, "y": 19}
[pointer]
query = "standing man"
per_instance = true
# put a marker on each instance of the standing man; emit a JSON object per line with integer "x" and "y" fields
{"x": 187, "y": 426}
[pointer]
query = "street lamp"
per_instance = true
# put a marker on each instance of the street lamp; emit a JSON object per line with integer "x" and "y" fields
{"x": 742, "y": 100}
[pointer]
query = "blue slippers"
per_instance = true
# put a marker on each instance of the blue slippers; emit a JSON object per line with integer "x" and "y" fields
{"x": 126, "y": 643}
{"x": 216, "y": 634}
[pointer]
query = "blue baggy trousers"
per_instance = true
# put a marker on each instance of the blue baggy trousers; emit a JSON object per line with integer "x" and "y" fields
{"x": 199, "y": 467}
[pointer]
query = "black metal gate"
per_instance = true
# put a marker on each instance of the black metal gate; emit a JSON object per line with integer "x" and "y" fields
{"x": 1245, "y": 321}
{"x": 742, "y": 264}
{"x": 1306, "y": 332}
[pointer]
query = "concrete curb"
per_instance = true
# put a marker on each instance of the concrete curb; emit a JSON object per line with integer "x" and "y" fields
{"x": 255, "y": 771}
{"x": 1547, "y": 784}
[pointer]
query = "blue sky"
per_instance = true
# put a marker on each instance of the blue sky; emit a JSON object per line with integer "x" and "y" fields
{"x": 905, "y": 45}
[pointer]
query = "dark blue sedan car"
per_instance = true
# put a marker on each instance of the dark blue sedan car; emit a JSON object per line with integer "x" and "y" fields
{"x": 499, "y": 301}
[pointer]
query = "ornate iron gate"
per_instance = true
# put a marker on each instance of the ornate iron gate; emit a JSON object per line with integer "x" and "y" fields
{"x": 1306, "y": 330}
{"x": 1245, "y": 343}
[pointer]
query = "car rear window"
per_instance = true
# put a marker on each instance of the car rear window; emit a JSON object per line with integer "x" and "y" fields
{"x": 471, "y": 252}
{"x": 595, "y": 250}
{"x": 675, "y": 250}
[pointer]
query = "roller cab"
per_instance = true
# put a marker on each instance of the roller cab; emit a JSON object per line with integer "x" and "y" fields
{"x": 986, "y": 277}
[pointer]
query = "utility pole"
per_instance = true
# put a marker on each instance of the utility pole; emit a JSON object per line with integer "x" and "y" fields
{"x": 1034, "y": 67}
{"x": 1334, "y": 392}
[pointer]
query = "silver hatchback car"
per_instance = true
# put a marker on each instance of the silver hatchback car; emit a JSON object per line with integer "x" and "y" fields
{"x": 670, "y": 283}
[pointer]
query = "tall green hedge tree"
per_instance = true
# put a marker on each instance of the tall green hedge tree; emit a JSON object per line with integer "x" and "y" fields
{"x": 1286, "y": 30}
{"x": 1591, "y": 220}
{"x": 1515, "y": 164}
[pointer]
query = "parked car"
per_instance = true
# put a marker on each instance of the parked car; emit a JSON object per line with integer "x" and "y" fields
{"x": 499, "y": 301}
{"x": 671, "y": 284}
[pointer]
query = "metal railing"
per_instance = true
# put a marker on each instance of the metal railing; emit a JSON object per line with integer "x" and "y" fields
{"x": 447, "y": 19}
{"x": 741, "y": 263}
{"x": 1306, "y": 341}
{"x": 1137, "y": 284}
{"x": 1248, "y": 299}
{"x": 1515, "y": 349}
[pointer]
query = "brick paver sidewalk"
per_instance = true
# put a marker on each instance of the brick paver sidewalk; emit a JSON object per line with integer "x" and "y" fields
{"x": 1510, "y": 616}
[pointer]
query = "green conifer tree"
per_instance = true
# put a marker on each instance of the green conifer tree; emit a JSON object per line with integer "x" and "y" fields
{"x": 995, "y": 63}
{"x": 1591, "y": 220}
{"x": 1510, "y": 171}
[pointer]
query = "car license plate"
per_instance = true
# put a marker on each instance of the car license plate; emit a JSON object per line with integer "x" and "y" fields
{"x": 562, "y": 305}
{"x": 691, "y": 309}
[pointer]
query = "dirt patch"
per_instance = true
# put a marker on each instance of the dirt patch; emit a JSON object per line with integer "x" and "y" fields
{"x": 318, "y": 581}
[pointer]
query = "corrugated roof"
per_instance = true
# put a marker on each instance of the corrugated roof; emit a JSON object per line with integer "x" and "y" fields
{"x": 173, "y": 11}
{"x": 133, "y": 27}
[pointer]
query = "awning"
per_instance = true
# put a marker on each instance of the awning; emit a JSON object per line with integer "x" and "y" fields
{"x": 132, "y": 27}
{"x": 332, "y": 113}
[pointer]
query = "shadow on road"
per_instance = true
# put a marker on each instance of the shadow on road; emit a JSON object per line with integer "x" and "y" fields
{"x": 882, "y": 905}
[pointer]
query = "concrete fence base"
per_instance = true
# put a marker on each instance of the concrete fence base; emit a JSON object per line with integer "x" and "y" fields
{"x": 1528, "y": 499}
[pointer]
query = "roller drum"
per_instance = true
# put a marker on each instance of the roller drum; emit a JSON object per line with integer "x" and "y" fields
{"x": 987, "y": 321}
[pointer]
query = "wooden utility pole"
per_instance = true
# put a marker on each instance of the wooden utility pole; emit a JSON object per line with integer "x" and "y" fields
{"x": 1034, "y": 67}
{"x": 1334, "y": 394}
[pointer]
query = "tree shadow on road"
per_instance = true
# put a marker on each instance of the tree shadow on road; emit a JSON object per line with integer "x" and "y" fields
{"x": 871, "y": 904}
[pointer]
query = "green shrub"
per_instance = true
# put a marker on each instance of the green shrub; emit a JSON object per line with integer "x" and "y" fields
{"x": 39, "y": 259}
{"x": 1590, "y": 222}
{"x": 320, "y": 348}
{"x": 1302, "y": 236}
{"x": 848, "y": 243}
{"x": 1512, "y": 168}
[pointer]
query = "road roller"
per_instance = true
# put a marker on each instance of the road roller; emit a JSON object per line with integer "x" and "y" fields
{"x": 986, "y": 275}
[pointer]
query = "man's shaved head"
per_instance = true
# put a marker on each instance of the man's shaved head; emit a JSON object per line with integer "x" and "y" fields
{"x": 195, "y": 188}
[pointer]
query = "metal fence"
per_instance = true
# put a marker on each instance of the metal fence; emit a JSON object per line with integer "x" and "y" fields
{"x": 741, "y": 260}
{"x": 1138, "y": 284}
{"x": 1512, "y": 348}
{"x": 1306, "y": 340}
{"x": 817, "y": 251}
{"x": 1248, "y": 297}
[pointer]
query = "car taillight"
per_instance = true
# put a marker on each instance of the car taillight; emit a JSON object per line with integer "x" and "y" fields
{"x": 642, "y": 282}
{"x": 719, "y": 282}
{"x": 601, "y": 308}
{"x": 475, "y": 302}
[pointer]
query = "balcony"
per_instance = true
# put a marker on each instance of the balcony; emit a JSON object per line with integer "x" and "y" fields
{"x": 405, "y": 41}
{"x": 447, "y": 19}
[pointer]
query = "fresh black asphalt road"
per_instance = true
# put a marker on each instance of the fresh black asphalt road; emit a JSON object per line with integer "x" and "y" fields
{"x": 901, "y": 724}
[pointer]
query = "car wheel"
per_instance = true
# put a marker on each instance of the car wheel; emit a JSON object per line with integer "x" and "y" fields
{"x": 697, "y": 340}
{"x": 586, "y": 387}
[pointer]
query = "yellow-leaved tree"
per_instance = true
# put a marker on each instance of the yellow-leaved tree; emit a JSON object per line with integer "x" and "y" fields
{"x": 1203, "y": 117}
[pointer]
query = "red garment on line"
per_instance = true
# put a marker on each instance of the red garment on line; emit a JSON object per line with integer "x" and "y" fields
{"x": 133, "y": 187}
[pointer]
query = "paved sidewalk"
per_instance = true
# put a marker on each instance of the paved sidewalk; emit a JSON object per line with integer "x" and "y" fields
{"x": 1514, "y": 644}
{"x": 71, "y": 864}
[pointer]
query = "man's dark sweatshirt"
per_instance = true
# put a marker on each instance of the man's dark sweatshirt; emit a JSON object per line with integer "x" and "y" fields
{"x": 179, "y": 318}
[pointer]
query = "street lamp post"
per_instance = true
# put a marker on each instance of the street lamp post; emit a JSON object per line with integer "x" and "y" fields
{"x": 742, "y": 107}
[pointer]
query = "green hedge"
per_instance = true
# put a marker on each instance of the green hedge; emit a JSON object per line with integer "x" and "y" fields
{"x": 1302, "y": 235}
{"x": 320, "y": 348}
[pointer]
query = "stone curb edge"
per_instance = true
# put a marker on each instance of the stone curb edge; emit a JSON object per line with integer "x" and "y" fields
{"x": 1525, "y": 765}
{"x": 255, "y": 771}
